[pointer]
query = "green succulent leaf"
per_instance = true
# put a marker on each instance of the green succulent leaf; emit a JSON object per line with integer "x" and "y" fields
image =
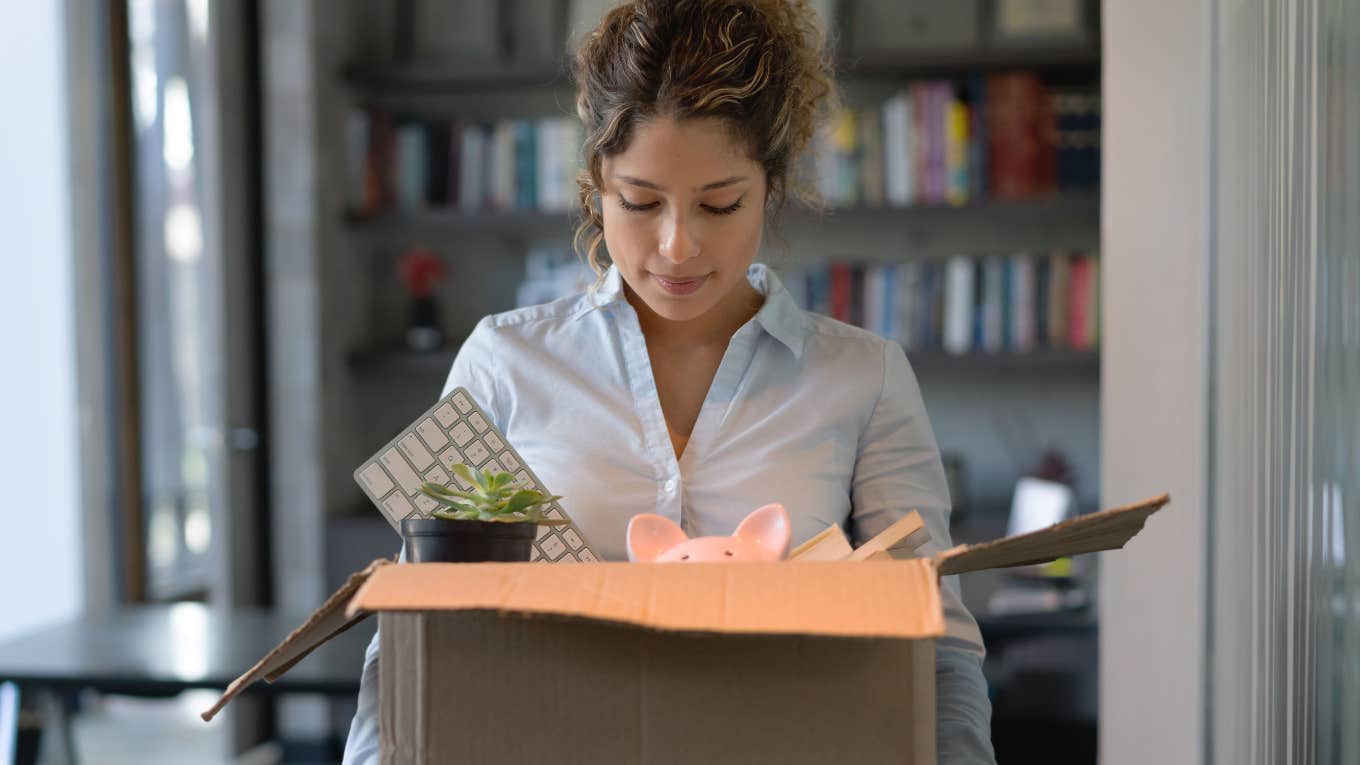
{"x": 464, "y": 472}
{"x": 430, "y": 489}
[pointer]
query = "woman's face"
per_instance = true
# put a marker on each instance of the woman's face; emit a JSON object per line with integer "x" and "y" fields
{"x": 683, "y": 210}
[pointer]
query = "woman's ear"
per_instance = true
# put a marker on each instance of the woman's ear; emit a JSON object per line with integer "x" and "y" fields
{"x": 769, "y": 529}
{"x": 650, "y": 535}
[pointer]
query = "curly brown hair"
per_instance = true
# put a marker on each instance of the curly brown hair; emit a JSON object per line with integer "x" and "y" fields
{"x": 760, "y": 66}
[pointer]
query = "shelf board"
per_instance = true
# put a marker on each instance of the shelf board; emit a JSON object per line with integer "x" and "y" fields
{"x": 491, "y": 74}
{"x": 397, "y": 359}
{"x": 909, "y": 64}
{"x": 1081, "y": 206}
{"x": 454, "y": 77}
{"x": 1044, "y": 362}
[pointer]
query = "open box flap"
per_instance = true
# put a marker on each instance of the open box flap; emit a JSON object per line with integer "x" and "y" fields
{"x": 325, "y": 623}
{"x": 895, "y": 599}
{"x": 1105, "y": 530}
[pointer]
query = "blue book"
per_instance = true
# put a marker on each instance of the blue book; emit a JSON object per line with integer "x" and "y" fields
{"x": 526, "y": 165}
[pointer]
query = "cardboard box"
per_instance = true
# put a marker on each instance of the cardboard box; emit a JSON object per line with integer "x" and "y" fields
{"x": 789, "y": 662}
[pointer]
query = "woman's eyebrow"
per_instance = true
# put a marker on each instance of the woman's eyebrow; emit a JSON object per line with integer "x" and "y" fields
{"x": 631, "y": 181}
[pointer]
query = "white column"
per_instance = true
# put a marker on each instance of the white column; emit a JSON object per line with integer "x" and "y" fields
{"x": 1155, "y": 232}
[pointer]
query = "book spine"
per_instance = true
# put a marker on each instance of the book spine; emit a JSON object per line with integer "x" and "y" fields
{"x": 957, "y": 154}
{"x": 958, "y": 312}
{"x": 841, "y": 291}
{"x": 1023, "y": 304}
{"x": 1058, "y": 294}
{"x": 1078, "y": 303}
{"x": 993, "y": 317}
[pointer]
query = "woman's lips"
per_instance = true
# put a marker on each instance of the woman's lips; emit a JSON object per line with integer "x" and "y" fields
{"x": 680, "y": 286}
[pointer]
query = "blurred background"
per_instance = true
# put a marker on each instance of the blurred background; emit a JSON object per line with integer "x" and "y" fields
{"x": 1119, "y": 242}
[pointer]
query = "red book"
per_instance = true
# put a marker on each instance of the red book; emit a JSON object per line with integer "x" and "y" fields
{"x": 1079, "y": 303}
{"x": 1019, "y": 126}
{"x": 842, "y": 291}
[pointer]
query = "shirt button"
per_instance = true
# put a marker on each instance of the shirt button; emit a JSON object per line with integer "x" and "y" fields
{"x": 670, "y": 485}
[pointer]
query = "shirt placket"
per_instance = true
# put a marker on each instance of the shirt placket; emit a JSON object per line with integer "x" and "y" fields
{"x": 647, "y": 403}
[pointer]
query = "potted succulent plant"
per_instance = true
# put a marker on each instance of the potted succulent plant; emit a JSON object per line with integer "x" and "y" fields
{"x": 496, "y": 521}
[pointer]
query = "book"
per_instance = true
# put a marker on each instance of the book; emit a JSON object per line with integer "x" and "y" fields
{"x": 956, "y": 152}
{"x": 958, "y": 311}
{"x": 1022, "y": 304}
{"x": 898, "y": 153}
{"x": 412, "y": 164}
{"x": 1079, "y": 303}
{"x": 993, "y": 304}
{"x": 1058, "y": 295}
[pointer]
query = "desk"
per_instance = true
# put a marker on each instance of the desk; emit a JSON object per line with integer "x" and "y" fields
{"x": 163, "y": 650}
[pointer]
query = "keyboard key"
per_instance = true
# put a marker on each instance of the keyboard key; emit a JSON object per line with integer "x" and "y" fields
{"x": 376, "y": 480}
{"x": 446, "y": 415}
{"x": 433, "y": 434}
{"x": 552, "y": 547}
{"x": 401, "y": 470}
{"x": 476, "y": 453}
{"x": 478, "y": 422}
{"x": 494, "y": 441}
{"x": 397, "y": 506}
{"x": 461, "y": 434}
{"x": 573, "y": 538}
{"x": 437, "y": 475}
{"x": 508, "y": 459}
{"x": 416, "y": 452}
{"x": 461, "y": 401}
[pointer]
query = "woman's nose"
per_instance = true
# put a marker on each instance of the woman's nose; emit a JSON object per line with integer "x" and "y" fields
{"x": 678, "y": 243}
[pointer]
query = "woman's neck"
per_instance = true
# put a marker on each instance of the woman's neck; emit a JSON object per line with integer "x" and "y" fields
{"x": 713, "y": 329}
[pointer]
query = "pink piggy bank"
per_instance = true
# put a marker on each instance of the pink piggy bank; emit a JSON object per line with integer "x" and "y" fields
{"x": 762, "y": 536}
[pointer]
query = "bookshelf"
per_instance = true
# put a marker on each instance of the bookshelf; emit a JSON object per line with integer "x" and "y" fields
{"x": 1054, "y": 385}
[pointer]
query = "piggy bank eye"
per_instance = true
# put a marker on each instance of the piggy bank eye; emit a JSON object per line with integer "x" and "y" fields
{"x": 684, "y": 557}
{"x": 728, "y": 553}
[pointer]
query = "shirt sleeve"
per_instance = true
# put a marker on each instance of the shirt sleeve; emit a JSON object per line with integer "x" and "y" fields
{"x": 472, "y": 370}
{"x": 898, "y": 469}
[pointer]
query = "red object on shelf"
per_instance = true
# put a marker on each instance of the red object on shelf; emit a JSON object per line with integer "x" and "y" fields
{"x": 420, "y": 268}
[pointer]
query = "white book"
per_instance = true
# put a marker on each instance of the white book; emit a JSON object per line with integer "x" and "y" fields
{"x": 472, "y": 153}
{"x": 958, "y": 305}
{"x": 896, "y": 158}
{"x": 1022, "y": 303}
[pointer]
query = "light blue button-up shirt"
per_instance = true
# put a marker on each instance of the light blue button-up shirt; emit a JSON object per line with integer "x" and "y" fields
{"x": 820, "y": 416}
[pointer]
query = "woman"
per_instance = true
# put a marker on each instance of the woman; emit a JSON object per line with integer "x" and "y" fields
{"x": 687, "y": 382}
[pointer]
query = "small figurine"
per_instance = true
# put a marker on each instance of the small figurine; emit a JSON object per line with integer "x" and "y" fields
{"x": 762, "y": 536}
{"x": 420, "y": 269}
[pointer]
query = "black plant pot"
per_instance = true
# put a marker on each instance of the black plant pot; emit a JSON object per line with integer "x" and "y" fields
{"x": 436, "y": 540}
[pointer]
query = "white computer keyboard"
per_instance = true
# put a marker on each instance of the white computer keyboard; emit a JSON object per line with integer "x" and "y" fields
{"x": 457, "y": 430}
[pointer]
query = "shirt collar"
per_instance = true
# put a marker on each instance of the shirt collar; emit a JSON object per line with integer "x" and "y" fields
{"x": 780, "y": 316}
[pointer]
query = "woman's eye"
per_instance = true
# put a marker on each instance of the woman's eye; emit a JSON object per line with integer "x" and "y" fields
{"x": 725, "y": 210}
{"x": 629, "y": 206}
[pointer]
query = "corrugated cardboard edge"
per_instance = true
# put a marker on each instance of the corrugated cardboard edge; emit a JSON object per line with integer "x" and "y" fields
{"x": 896, "y": 599}
{"x": 1104, "y": 530}
{"x": 303, "y": 640}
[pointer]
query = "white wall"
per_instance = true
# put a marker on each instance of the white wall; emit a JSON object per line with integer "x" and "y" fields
{"x": 1155, "y": 234}
{"x": 40, "y": 547}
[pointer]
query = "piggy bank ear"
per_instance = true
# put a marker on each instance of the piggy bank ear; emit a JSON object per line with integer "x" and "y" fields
{"x": 650, "y": 535}
{"x": 769, "y": 529}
